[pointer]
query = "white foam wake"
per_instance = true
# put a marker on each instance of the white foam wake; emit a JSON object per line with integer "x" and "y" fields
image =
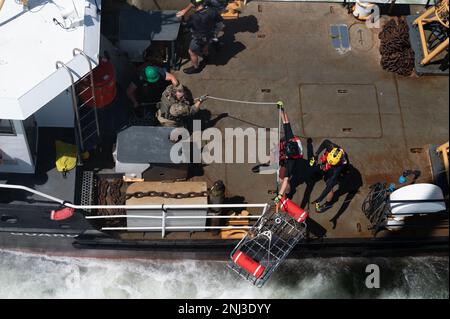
{"x": 35, "y": 276}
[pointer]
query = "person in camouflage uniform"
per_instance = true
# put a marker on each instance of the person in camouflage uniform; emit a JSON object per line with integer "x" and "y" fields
{"x": 175, "y": 108}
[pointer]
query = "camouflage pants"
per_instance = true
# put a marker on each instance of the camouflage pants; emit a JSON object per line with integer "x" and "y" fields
{"x": 165, "y": 122}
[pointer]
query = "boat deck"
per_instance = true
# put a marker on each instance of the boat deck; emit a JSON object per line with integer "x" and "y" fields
{"x": 283, "y": 51}
{"x": 46, "y": 179}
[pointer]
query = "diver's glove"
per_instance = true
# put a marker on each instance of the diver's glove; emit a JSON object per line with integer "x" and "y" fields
{"x": 278, "y": 198}
{"x": 203, "y": 98}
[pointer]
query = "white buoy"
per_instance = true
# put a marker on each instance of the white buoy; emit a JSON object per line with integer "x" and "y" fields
{"x": 363, "y": 10}
{"x": 421, "y": 191}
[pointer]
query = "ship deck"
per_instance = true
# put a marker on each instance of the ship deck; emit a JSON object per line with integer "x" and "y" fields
{"x": 283, "y": 51}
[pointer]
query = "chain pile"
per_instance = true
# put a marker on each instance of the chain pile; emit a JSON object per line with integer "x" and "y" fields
{"x": 395, "y": 49}
{"x": 109, "y": 193}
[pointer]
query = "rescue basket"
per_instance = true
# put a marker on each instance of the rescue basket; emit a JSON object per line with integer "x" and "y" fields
{"x": 266, "y": 245}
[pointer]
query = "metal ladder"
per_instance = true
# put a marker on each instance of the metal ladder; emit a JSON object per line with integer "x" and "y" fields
{"x": 86, "y": 117}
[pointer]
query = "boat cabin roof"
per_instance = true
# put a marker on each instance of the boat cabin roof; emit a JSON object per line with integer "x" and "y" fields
{"x": 32, "y": 40}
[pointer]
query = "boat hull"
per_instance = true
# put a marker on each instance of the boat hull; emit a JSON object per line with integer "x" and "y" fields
{"x": 97, "y": 245}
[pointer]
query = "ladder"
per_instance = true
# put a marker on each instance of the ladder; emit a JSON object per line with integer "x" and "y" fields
{"x": 86, "y": 118}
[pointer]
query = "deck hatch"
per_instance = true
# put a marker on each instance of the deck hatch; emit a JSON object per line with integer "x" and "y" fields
{"x": 340, "y": 110}
{"x": 340, "y": 38}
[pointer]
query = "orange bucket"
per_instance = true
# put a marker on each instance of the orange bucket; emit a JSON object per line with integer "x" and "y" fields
{"x": 104, "y": 85}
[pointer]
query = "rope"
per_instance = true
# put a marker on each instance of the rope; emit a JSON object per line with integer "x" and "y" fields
{"x": 240, "y": 101}
{"x": 278, "y": 150}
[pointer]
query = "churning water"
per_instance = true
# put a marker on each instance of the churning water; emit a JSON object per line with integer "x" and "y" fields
{"x": 37, "y": 276}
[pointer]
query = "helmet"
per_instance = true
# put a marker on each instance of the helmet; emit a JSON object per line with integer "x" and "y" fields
{"x": 151, "y": 74}
{"x": 291, "y": 149}
{"x": 334, "y": 157}
{"x": 178, "y": 91}
{"x": 179, "y": 88}
{"x": 197, "y": 2}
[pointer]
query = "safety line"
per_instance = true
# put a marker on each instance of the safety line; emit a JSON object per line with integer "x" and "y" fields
{"x": 240, "y": 101}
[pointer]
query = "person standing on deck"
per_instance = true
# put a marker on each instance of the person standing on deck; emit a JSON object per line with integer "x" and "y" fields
{"x": 148, "y": 85}
{"x": 333, "y": 163}
{"x": 202, "y": 24}
{"x": 219, "y": 5}
{"x": 293, "y": 153}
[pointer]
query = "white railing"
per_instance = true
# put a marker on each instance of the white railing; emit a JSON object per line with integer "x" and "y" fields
{"x": 163, "y": 207}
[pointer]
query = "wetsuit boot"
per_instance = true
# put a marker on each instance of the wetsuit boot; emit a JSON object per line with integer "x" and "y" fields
{"x": 322, "y": 208}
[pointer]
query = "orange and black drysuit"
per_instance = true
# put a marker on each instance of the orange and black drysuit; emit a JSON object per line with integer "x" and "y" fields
{"x": 331, "y": 173}
{"x": 291, "y": 163}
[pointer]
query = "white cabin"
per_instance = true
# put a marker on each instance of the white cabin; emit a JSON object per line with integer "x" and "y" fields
{"x": 33, "y": 91}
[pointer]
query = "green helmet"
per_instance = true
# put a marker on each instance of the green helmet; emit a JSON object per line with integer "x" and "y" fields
{"x": 151, "y": 74}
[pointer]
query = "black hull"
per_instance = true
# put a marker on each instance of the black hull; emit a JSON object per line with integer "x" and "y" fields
{"x": 97, "y": 245}
{"x": 34, "y": 232}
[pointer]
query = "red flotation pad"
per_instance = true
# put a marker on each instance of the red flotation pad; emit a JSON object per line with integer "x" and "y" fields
{"x": 293, "y": 210}
{"x": 247, "y": 263}
{"x": 62, "y": 213}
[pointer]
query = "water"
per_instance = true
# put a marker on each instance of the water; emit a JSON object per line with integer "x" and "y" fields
{"x": 37, "y": 276}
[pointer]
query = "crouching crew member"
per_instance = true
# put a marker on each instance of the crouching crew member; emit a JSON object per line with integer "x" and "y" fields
{"x": 174, "y": 108}
{"x": 333, "y": 164}
{"x": 148, "y": 85}
{"x": 291, "y": 154}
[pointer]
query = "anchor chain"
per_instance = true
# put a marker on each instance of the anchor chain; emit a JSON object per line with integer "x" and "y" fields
{"x": 109, "y": 193}
{"x": 166, "y": 194}
{"x": 396, "y": 53}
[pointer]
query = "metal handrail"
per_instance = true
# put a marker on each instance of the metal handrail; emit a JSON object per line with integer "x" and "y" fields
{"x": 159, "y": 206}
{"x": 175, "y": 217}
{"x": 176, "y": 227}
{"x": 162, "y": 207}
{"x": 76, "y": 51}
{"x": 60, "y": 64}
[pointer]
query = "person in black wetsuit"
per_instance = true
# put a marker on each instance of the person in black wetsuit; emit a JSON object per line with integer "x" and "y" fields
{"x": 333, "y": 163}
{"x": 202, "y": 24}
{"x": 293, "y": 154}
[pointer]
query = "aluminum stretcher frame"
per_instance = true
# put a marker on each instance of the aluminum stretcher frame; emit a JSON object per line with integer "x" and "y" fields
{"x": 268, "y": 242}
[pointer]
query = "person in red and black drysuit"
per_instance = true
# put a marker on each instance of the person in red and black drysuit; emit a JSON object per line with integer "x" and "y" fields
{"x": 333, "y": 163}
{"x": 291, "y": 154}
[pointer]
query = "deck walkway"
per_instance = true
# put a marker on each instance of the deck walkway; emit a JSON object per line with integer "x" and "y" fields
{"x": 283, "y": 51}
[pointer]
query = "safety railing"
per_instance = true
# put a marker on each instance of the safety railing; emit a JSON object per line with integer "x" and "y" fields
{"x": 162, "y": 207}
